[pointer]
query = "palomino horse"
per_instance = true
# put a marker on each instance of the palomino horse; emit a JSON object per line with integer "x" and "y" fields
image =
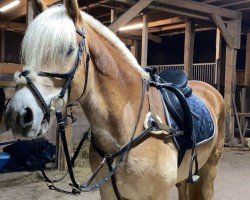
{"x": 109, "y": 91}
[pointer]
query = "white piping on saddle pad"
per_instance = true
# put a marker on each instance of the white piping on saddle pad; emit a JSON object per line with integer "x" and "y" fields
{"x": 208, "y": 139}
{"x": 146, "y": 124}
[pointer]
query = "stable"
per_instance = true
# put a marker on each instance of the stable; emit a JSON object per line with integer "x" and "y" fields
{"x": 139, "y": 23}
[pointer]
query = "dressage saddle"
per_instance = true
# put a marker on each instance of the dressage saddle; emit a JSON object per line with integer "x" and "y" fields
{"x": 174, "y": 96}
{"x": 172, "y": 83}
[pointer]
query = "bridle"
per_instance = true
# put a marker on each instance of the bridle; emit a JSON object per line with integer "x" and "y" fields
{"x": 68, "y": 77}
{"x": 113, "y": 161}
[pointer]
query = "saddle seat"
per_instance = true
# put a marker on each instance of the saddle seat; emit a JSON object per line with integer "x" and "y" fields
{"x": 178, "y": 78}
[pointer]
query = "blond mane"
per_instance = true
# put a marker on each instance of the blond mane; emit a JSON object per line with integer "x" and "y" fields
{"x": 50, "y": 35}
{"x": 106, "y": 33}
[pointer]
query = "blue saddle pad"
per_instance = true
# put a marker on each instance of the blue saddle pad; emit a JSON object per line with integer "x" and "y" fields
{"x": 202, "y": 120}
{"x": 203, "y": 126}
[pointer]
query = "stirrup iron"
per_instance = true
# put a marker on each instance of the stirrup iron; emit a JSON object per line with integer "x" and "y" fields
{"x": 193, "y": 178}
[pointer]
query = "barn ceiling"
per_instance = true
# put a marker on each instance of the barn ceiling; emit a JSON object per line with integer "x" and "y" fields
{"x": 100, "y": 9}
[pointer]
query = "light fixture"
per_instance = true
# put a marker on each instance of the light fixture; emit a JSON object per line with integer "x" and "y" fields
{"x": 131, "y": 27}
{"x": 9, "y": 6}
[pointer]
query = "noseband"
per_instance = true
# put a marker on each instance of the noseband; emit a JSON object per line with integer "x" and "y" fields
{"x": 68, "y": 77}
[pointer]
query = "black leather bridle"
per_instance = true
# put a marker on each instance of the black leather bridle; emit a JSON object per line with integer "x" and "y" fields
{"x": 112, "y": 160}
{"x": 68, "y": 77}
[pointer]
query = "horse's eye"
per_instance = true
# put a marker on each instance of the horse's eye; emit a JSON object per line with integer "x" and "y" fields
{"x": 70, "y": 50}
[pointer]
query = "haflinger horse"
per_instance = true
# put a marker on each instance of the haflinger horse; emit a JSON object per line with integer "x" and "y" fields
{"x": 108, "y": 84}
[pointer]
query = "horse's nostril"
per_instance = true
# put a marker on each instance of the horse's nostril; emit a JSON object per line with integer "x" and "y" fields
{"x": 27, "y": 117}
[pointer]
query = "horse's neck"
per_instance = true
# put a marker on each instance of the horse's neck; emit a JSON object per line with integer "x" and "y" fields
{"x": 114, "y": 94}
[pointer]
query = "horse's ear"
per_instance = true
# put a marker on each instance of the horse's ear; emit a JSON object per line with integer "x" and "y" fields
{"x": 72, "y": 9}
{"x": 38, "y": 6}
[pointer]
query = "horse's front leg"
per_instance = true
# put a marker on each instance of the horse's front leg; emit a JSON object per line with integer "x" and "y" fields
{"x": 182, "y": 190}
{"x": 106, "y": 191}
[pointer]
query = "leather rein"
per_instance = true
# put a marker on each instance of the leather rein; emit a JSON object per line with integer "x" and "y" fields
{"x": 113, "y": 161}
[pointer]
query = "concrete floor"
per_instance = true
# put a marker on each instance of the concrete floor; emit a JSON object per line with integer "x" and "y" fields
{"x": 232, "y": 183}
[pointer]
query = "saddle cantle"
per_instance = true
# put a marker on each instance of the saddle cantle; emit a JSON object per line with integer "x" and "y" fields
{"x": 178, "y": 78}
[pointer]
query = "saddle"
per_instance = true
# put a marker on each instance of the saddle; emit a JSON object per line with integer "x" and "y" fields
{"x": 172, "y": 84}
{"x": 174, "y": 97}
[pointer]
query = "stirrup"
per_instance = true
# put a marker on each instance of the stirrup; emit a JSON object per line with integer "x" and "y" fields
{"x": 193, "y": 178}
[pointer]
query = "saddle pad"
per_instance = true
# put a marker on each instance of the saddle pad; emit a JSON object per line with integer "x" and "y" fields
{"x": 202, "y": 120}
{"x": 203, "y": 126}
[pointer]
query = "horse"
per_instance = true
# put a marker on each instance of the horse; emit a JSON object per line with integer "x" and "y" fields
{"x": 108, "y": 87}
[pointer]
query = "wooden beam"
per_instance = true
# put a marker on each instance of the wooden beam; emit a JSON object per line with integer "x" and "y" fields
{"x": 112, "y": 15}
{"x": 244, "y": 9}
{"x": 189, "y": 48}
{"x": 218, "y": 57}
{"x": 230, "y": 84}
{"x": 177, "y": 32}
{"x": 133, "y": 50}
{"x": 154, "y": 38}
{"x": 170, "y": 21}
{"x": 13, "y": 26}
{"x": 144, "y": 48}
{"x": 230, "y": 81}
{"x": 171, "y": 10}
{"x": 7, "y": 84}
{"x": 210, "y": 1}
{"x": 168, "y": 28}
{"x": 192, "y": 6}
{"x": 201, "y": 7}
{"x": 2, "y": 46}
{"x": 247, "y": 63}
{"x": 136, "y": 45}
{"x": 151, "y": 37}
{"x": 218, "y": 45}
{"x": 29, "y": 12}
{"x": 130, "y": 14}
{"x": 234, "y": 3}
{"x": 224, "y": 31}
{"x": 9, "y": 68}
